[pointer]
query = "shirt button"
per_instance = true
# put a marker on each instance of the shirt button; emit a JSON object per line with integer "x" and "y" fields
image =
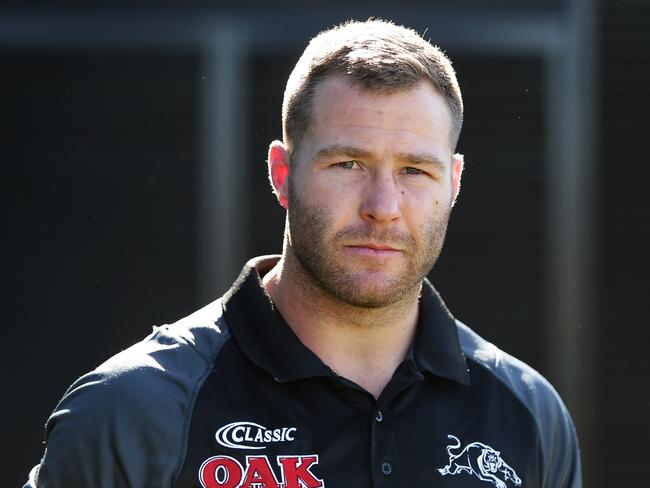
{"x": 379, "y": 417}
{"x": 386, "y": 468}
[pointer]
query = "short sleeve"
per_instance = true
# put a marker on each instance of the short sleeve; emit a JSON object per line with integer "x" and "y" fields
{"x": 124, "y": 424}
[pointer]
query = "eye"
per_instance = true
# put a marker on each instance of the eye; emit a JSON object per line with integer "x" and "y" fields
{"x": 352, "y": 164}
{"x": 409, "y": 170}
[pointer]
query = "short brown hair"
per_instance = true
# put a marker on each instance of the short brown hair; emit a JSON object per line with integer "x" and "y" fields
{"x": 378, "y": 55}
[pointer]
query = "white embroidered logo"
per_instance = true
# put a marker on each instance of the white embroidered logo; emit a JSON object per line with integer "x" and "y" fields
{"x": 480, "y": 460}
{"x": 249, "y": 435}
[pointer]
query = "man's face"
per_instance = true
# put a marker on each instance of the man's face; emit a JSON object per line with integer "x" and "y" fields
{"x": 371, "y": 190}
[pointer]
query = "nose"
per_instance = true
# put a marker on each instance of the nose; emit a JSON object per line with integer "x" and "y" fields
{"x": 381, "y": 202}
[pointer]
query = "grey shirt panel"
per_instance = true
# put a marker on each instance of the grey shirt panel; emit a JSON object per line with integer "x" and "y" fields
{"x": 559, "y": 442}
{"x": 126, "y": 423}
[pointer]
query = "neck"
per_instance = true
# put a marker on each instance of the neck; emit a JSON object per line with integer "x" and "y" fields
{"x": 364, "y": 345}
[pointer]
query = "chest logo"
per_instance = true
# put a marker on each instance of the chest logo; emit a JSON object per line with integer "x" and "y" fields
{"x": 249, "y": 435}
{"x": 257, "y": 471}
{"x": 480, "y": 460}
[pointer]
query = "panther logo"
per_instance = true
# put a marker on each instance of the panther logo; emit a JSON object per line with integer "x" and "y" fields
{"x": 480, "y": 460}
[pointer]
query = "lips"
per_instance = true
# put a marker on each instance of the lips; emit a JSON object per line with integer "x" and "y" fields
{"x": 375, "y": 247}
{"x": 373, "y": 250}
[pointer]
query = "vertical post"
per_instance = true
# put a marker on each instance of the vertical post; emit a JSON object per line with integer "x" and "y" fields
{"x": 223, "y": 159}
{"x": 571, "y": 181}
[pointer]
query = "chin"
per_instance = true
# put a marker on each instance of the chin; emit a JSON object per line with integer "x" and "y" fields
{"x": 372, "y": 293}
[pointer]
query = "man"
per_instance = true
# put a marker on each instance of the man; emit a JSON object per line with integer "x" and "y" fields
{"x": 335, "y": 364}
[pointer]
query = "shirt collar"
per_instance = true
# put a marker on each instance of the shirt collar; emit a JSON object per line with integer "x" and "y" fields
{"x": 266, "y": 339}
{"x": 436, "y": 347}
{"x": 261, "y": 332}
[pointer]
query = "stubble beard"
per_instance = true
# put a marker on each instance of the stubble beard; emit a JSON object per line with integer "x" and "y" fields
{"x": 322, "y": 266}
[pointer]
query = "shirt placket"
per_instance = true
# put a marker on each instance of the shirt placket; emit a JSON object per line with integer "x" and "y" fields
{"x": 385, "y": 457}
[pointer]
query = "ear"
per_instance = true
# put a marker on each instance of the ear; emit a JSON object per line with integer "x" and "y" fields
{"x": 279, "y": 171}
{"x": 457, "y": 164}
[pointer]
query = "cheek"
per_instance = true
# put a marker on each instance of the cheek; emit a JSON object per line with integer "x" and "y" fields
{"x": 423, "y": 209}
{"x": 422, "y": 198}
{"x": 336, "y": 194}
{"x": 319, "y": 206}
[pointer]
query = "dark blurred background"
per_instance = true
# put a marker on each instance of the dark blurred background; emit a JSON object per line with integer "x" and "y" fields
{"x": 134, "y": 145}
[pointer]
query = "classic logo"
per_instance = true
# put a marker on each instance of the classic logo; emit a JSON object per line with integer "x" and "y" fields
{"x": 249, "y": 435}
{"x": 227, "y": 472}
{"x": 480, "y": 460}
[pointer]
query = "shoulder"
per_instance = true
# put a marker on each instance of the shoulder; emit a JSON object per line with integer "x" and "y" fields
{"x": 180, "y": 349}
{"x": 133, "y": 411}
{"x": 163, "y": 367}
{"x": 527, "y": 384}
{"x": 557, "y": 435}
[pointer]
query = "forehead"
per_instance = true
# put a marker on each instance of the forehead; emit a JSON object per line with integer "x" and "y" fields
{"x": 415, "y": 119}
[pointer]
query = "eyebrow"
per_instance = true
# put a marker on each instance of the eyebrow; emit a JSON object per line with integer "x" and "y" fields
{"x": 339, "y": 150}
{"x": 355, "y": 152}
{"x": 422, "y": 159}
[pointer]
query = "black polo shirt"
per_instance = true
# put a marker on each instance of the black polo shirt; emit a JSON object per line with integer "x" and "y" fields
{"x": 229, "y": 397}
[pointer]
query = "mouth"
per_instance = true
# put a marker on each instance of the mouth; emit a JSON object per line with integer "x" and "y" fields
{"x": 375, "y": 247}
{"x": 372, "y": 249}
